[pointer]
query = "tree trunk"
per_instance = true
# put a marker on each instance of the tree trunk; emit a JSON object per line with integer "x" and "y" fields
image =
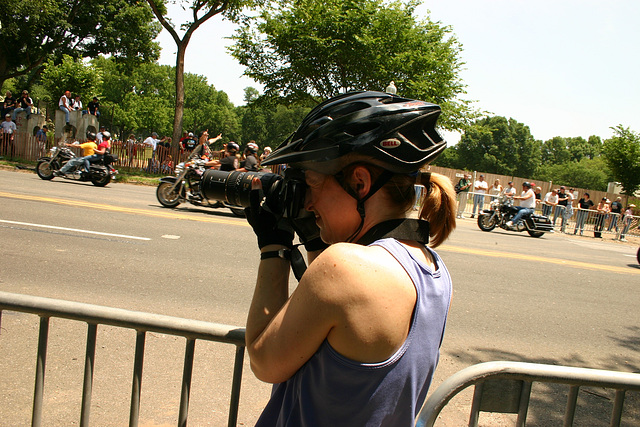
{"x": 179, "y": 107}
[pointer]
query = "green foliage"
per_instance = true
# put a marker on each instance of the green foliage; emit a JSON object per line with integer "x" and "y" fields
{"x": 32, "y": 32}
{"x": 497, "y": 145}
{"x": 622, "y": 154}
{"x": 307, "y": 50}
{"x": 587, "y": 173}
{"x": 71, "y": 74}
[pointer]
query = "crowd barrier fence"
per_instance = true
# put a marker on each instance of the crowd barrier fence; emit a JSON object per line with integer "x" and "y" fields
{"x": 142, "y": 323}
{"x": 505, "y": 387}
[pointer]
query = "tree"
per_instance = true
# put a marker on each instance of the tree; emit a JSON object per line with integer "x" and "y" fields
{"x": 497, "y": 145}
{"x": 32, "y": 32}
{"x": 307, "y": 50}
{"x": 622, "y": 154}
{"x": 587, "y": 173}
{"x": 71, "y": 74}
{"x": 202, "y": 10}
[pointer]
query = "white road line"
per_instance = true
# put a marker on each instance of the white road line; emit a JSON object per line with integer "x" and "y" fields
{"x": 74, "y": 229}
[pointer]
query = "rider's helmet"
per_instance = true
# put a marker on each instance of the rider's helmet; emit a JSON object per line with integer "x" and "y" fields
{"x": 252, "y": 147}
{"x": 526, "y": 184}
{"x": 91, "y": 136}
{"x": 232, "y": 146}
{"x": 106, "y": 135}
{"x": 390, "y": 131}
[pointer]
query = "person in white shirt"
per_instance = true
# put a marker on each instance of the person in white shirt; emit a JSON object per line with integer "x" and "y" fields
{"x": 480, "y": 187}
{"x": 8, "y": 126}
{"x": 510, "y": 191}
{"x": 527, "y": 204}
{"x": 77, "y": 103}
{"x": 550, "y": 201}
{"x": 65, "y": 106}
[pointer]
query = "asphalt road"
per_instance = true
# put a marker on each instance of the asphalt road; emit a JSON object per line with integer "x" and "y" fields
{"x": 558, "y": 299}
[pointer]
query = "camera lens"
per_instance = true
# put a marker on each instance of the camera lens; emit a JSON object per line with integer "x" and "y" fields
{"x": 231, "y": 187}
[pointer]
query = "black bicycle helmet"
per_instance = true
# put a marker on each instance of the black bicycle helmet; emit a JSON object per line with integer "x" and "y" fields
{"x": 527, "y": 184}
{"x": 232, "y": 146}
{"x": 91, "y": 136}
{"x": 395, "y": 133}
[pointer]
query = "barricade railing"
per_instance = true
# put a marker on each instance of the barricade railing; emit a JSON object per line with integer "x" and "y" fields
{"x": 505, "y": 387}
{"x": 94, "y": 315}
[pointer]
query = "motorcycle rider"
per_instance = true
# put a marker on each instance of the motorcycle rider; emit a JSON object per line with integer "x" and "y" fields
{"x": 251, "y": 159}
{"x": 88, "y": 149}
{"x": 527, "y": 204}
{"x": 202, "y": 150}
{"x": 103, "y": 148}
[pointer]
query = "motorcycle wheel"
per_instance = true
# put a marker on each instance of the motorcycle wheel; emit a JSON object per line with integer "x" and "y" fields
{"x": 44, "y": 170}
{"x": 100, "y": 178}
{"x": 533, "y": 233}
{"x": 486, "y": 222}
{"x": 166, "y": 197}
{"x": 238, "y": 212}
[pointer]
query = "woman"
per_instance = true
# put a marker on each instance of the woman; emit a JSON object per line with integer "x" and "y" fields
{"x": 495, "y": 190}
{"x": 603, "y": 209}
{"x": 584, "y": 205}
{"x": 357, "y": 342}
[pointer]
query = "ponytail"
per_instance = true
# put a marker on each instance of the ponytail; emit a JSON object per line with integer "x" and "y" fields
{"x": 438, "y": 206}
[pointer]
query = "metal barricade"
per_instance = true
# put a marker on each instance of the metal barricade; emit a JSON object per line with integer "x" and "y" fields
{"x": 505, "y": 387}
{"x": 142, "y": 323}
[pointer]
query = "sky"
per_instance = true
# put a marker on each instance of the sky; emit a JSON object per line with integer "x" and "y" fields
{"x": 564, "y": 68}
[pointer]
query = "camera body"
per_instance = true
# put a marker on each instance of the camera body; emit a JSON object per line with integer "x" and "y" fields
{"x": 283, "y": 196}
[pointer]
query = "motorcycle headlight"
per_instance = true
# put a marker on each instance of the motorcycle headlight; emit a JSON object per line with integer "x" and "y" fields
{"x": 179, "y": 168}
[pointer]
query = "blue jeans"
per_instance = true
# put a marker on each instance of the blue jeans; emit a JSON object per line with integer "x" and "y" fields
{"x": 558, "y": 213}
{"x": 66, "y": 113}
{"x": 19, "y": 110}
{"x": 614, "y": 222}
{"x": 522, "y": 211}
{"x": 78, "y": 161}
{"x": 478, "y": 200}
{"x": 91, "y": 159}
{"x": 581, "y": 218}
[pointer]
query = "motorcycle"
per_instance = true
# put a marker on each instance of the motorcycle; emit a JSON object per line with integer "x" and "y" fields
{"x": 185, "y": 187}
{"x": 502, "y": 210}
{"x": 100, "y": 173}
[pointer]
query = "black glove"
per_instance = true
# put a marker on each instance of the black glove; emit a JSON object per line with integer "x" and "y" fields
{"x": 268, "y": 227}
{"x": 308, "y": 232}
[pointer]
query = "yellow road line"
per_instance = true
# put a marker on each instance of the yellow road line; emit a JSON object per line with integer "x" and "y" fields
{"x": 153, "y": 213}
{"x": 558, "y": 261}
{"x": 458, "y": 249}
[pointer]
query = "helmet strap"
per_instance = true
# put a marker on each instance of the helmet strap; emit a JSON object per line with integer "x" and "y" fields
{"x": 384, "y": 177}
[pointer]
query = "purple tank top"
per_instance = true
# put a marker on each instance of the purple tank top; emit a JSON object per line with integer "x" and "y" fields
{"x": 331, "y": 390}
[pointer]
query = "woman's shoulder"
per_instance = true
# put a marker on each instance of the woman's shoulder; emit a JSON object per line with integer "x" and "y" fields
{"x": 351, "y": 268}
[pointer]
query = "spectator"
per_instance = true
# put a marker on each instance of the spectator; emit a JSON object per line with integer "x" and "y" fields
{"x": 627, "y": 219}
{"x": 616, "y": 211}
{"x": 63, "y": 104}
{"x": 265, "y": 153}
{"x": 603, "y": 210}
{"x": 496, "y": 189}
{"x": 8, "y": 127}
{"x": 93, "y": 107}
{"x": 563, "y": 200}
{"x": 99, "y": 134}
{"x": 189, "y": 143}
{"x": 510, "y": 191}
{"x": 527, "y": 204}
{"x": 480, "y": 187}
{"x": 251, "y": 157}
{"x": 24, "y": 104}
{"x": 538, "y": 192}
{"x": 550, "y": 202}
{"x": 584, "y": 205}
{"x": 76, "y": 104}
{"x": 464, "y": 184}
{"x": 8, "y": 104}
{"x": 41, "y": 137}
